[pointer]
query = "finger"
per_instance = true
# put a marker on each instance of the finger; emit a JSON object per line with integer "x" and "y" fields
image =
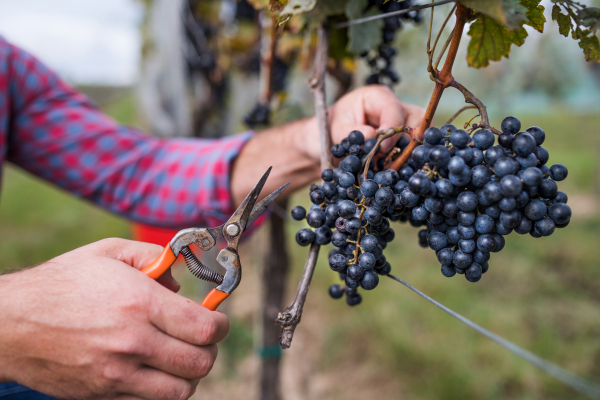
{"x": 152, "y": 384}
{"x": 135, "y": 254}
{"x": 179, "y": 358}
{"x": 414, "y": 115}
{"x": 187, "y": 320}
{"x": 169, "y": 282}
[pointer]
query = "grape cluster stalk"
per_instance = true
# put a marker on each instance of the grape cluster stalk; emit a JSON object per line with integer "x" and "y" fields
{"x": 465, "y": 191}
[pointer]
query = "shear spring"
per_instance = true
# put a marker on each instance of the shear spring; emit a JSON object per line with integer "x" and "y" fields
{"x": 198, "y": 269}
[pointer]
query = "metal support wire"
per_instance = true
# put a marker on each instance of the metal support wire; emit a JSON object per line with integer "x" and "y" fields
{"x": 390, "y": 14}
{"x": 582, "y": 385}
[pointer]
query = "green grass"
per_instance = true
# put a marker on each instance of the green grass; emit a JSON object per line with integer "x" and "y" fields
{"x": 542, "y": 294}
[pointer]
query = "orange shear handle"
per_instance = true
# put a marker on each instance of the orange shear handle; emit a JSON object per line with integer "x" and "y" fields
{"x": 213, "y": 299}
{"x": 159, "y": 266}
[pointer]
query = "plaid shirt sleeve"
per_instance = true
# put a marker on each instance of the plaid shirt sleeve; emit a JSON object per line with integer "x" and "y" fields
{"x": 57, "y": 134}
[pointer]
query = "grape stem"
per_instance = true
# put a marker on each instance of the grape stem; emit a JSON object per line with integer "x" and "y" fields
{"x": 381, "y": 136}
{"x": 290, "y": 317}
{"x": 456, "y": 114}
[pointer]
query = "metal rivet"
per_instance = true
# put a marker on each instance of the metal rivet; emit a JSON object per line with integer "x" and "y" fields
{"x": 232, "y": 230}
{"x": 224, "y": 258}
{"x": 205, "y": 242}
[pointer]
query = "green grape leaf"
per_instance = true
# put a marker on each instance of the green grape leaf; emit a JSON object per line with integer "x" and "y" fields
{"x": 510, "y": 13}
{"x": 363, "y": 37}
{"x": 490, "y": 41}
{"x": 564, "y": 21}
{"x": 588, "y": 42}
{"x": 535, "y": 14}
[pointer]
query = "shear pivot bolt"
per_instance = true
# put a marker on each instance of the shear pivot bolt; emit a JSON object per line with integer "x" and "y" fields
{"x": 205, "y": 242}
{"x": 232, "y": 230}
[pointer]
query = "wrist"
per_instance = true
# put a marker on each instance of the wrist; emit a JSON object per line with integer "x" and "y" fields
{"x": 306, "y": 139}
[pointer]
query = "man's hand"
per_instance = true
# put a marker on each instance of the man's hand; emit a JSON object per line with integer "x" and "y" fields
{"x": 85, "y": 325}
{"x": 294, "y": 149}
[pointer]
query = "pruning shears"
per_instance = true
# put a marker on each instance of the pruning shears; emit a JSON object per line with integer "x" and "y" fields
{"x": 206, "y": 239}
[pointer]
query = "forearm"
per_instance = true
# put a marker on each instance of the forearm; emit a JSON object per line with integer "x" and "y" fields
{"x": 285, "y": 149}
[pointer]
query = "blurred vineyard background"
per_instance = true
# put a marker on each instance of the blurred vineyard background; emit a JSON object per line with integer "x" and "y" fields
{"x": 542, "y": 294}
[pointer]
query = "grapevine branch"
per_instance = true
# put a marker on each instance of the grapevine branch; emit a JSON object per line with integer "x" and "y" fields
{"x": 443, "y": 80}
{"x": 290, "y": 317}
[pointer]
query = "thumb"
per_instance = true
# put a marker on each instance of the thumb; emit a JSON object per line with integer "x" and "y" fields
{"x": 137, "y": 255}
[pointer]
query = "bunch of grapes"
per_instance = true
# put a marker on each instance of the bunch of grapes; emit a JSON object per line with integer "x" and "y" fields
{"x": 469, "y": 193}
{"x": 382, "y": 60}
{"x": 354, "y": 214}
{"x": 465, "y": 191}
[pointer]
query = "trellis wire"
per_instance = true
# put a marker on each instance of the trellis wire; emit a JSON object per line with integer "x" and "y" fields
{"x": 390, "y": 14}
{"x": 582, "y": 385}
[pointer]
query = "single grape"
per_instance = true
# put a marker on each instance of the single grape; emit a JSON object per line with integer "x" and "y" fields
{"x": 346, "y": 179}
{"x": 336, "y": 291}
{"x": 510, "y": 219}
{"x": 439, "y": 156}
{"x": 505, "y": 166}
{"x": 561, "y": 197}
{"x": 433, "y": 136}
{"x": 354, "y": 300}
{"x": 437, "y": 241}
{"x": 466, "y": 218}
{"x": 524, "y": 144}
{"x": 434, "y": 205}
{"x": 467, "y": 201}
{"x": 460, "y": 138}
{"x": 356, "y": 137}
{"x": 542, "y": 155}
{"x": 510, "y": 125}
{"x": 445, "y": 256}
{"x": 481, "y": 257}
{"x": 338, "y": 262}
{"x": 544, "y": 227}
{"x": 558, "y": 172}
{"x": 466, "y": 245}
{"x": 524, "y": 226}
{"x": 420, "y": 213}
{"x": 384, "y": 196}
{"x": 510, "y": 186}
{"x": 547, "y": 189}
{"x": 462, "y": 259}
{"x": 505, "y": 140}
{"x": 448, "y": 270}
{"x": 483, "y": 139}
{"x": 499, "y": 242}
{"x": 316, "y": 218}
{"x": 323, "y": 235}
{"x": 486, "y": 243}
{"x": 508, "y": 203}
{"x": 492, "y": 154}
{"x": 368, "y": 243}
{"x": 298, "y": 213}
{"x": 338, "y": 151}
{"x": 338, "y": 238}
{"x": 370, "y": 280}
{"x": 456, "y": 164}
{"x": 304, "y": 237}
{"x": 559, "y": 213}
{"x": 538, "y": 134}
{"x": 355, "y": 272}
{"x": 351, "y": 283}
{"x": 473, "y": 273}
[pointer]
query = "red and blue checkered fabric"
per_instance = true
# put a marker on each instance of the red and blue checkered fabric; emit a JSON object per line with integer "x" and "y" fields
{"x": 56, "y": 133}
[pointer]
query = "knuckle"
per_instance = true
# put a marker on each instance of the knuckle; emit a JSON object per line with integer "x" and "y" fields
{"x": 209, "y": 331}
{"x": 204, "y": 363}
